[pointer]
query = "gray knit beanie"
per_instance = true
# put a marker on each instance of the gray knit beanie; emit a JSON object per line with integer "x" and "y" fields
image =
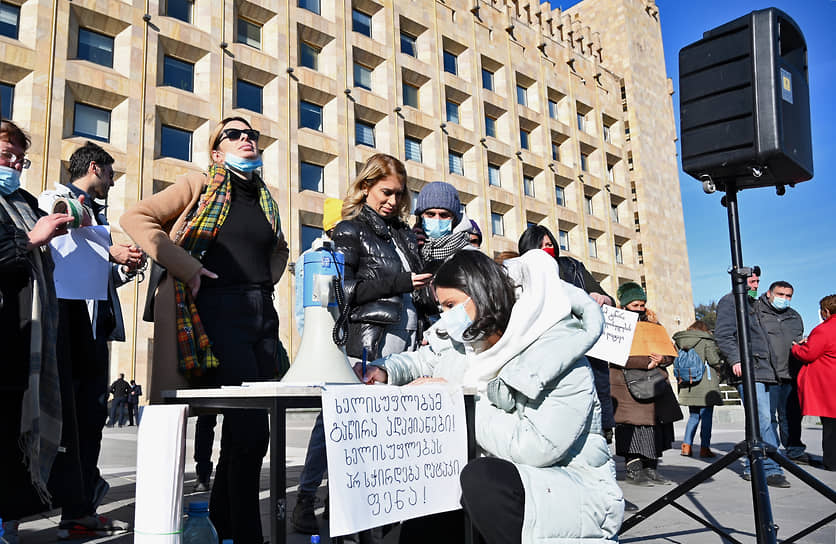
{"x": 439, "y": 194}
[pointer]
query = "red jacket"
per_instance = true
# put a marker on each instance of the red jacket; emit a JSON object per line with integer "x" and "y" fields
{"x": 817, "y": 378}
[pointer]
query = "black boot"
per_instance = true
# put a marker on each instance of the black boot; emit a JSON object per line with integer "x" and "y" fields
{"x": 635, "y": 474}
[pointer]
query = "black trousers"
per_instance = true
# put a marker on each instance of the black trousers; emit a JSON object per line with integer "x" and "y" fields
{"x": 794, "y": 416}
{"x": 494, "y": 498}
{"x": 828, "y": 442}
{"x": 244, "y": 330}
{"x": 204, "y": 437}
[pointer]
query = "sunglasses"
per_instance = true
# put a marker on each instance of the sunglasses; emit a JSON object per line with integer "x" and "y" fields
{"x": 234, "y": 134}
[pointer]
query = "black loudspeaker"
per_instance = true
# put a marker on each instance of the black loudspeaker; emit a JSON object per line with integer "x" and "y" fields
{"x": 745, "y": 103}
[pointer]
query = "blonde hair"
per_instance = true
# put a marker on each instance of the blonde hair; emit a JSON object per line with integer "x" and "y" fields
{"x": 215, "y": 135}
{"x": 378, "y": 166}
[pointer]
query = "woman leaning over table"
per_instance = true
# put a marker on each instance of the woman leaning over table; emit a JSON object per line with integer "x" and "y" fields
{"x": 219, "y": 237}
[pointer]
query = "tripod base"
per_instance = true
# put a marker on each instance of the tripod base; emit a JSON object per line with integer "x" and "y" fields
{"x": 741, "y": 449}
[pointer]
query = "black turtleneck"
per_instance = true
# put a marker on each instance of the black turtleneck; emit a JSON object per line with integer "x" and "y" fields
{"x": 240, "y": 253}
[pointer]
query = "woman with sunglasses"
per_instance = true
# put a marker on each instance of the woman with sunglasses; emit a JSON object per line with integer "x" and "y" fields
{"x": 219, "y": 237}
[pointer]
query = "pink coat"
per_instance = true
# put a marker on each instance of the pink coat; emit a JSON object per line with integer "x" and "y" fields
{"x": 818, "y": 377}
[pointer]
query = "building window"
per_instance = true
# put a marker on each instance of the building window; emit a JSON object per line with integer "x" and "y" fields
{"x": 584, "y": 161}
{"x": 497, "y": 224}
{"x": 362, "y": 77}
{"x": 91, "y": 122}
{"x": 364, "y": 133}
{"x": 560, "y": 195}
{"x": 412, "y": 149}
{"x": 7, "y": 97}
{"x": 175, "y": 143}
{"x": 452, "y": 112}
{"x": 178, "y": 73}
{"x": 494, "y": 177}
{"x": 310, "y": 5}
{"x": 311, "y": 177}
{"x": 528, "y": 186}
{"x": 607, "y": 137}
{"x": 563, "y": 240}
{"x": 456, "y": 161}
{"x": 310, "y": 115}
{"x": 593, "y": 248}
{"x": 450, "y": 63}
{"x": 179, "y": 9}
{"x": 408, "y": 45}
{"x": 581, "y": 122}
{"x": 555, "y": 151}
{"x": 249, "y": 33}
{"x": 308, "y": 56}
{"x": 552, "y": 109}
{"x": 610, "y": 174}
{"x": 487, "y": 79}
{"x": 490, "y": 126}
{"x": 361, "y": 23}
{"x": 248, "y": 96}
{"x": 619, "y": 256}
{"x": 525, "y": 139}
{"x": 522, "y": 95}
{"x": 307, "y": 236}
{"x": 410, "y": 95}
{"x": 590, "y": 209}
{"x": 95, "y": 47}
{"x": 9, "y": 20}
{"x": 614, "y": 213}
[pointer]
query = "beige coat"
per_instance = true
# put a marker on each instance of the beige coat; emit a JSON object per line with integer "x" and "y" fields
{"x": 153, "y": 223}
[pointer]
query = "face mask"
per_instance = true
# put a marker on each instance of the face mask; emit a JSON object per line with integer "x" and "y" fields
{"x": 455, "y": 321}
{"x": 549, "y": 250}
{"x": 436, "y": 228}
{"x": 780, "y": 303}
{"x": 242, "y": 165}
{"x": 753, "y": 293}
{"x": 9, "y": 180}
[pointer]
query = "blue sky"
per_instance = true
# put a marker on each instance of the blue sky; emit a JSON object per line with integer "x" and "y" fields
{"x": 790, "y": 237}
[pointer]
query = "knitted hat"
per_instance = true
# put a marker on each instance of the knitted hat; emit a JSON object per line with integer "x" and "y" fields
{"x": 629, "y": 292}
{"x": 474, "y": 229}
{"x": 331, "y": 213}
{"x": 439, "y": 194}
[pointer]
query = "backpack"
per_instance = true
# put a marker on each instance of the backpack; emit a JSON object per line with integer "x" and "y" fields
{"x": 689, "y": 367}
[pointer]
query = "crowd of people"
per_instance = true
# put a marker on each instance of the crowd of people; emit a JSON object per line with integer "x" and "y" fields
{"x": 423, "y": 304}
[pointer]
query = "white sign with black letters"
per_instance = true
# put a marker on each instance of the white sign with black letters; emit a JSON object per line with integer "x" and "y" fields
{"x": 614, "y": 343}
{"x": 394, "y": 453}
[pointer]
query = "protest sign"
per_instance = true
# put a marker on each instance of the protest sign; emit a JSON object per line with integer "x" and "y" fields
{"x": 652, "y": 338}
{"x": 394, "y": 453}
{"x": 614, "y": 343}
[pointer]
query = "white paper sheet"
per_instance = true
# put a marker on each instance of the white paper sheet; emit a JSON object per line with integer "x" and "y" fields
{"x": 614, "y": 343}
{"x": 160, "y": 464}
{"x": 394, "y": 453}
{"x": 82, "y": 263}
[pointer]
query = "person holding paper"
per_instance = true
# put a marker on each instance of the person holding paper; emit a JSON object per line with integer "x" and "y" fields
{"x": 644, "y": 422}
{"x": 219, "y": 236}
{"x": 519, "y": 334}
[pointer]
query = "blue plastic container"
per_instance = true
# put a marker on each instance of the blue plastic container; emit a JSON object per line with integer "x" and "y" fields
{"x": 198, "y": 529}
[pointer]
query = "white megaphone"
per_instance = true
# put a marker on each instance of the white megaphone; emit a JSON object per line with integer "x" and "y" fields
{"x": 319, "y": 359}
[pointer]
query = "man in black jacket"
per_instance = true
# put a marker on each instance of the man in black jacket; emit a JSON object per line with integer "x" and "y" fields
{"x": 783, "y": 327}
{"x": 762, "y": 366}
{"x": 120, "y": 390}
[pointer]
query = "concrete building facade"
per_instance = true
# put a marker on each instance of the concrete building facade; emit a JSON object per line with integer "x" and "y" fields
{"x": 537, "y": 116}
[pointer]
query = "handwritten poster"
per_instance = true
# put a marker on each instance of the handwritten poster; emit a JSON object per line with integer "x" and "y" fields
{"x": 614, "y": 343}
{"x": 394, "y": 453}
{"x": 81, "y": 263}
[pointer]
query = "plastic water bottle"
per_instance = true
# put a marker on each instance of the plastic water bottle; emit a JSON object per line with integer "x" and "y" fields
{"x": 314, "y": 539}
{"x": 198, "y": 529}
{"x": 2, "y": 532}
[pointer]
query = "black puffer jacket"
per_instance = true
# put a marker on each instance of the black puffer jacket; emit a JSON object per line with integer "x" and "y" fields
{"x": 375, "y": 278}
{"x": 725, "y": 333}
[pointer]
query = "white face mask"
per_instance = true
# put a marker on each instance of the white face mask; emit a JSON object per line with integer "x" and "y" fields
{"x": 455, "y": 321}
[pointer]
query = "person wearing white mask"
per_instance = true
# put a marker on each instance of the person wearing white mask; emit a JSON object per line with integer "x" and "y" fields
{"x": 519, "y": 334}
{"x": 219, "y": 237}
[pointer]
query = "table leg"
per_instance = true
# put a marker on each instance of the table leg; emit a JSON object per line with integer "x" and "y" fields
{"x": 278, "y": 474}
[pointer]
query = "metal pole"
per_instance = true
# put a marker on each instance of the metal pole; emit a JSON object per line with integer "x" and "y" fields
{"x": 764, "y": 526}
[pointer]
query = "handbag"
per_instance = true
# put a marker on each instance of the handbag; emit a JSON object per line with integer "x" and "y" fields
{"x": 645, "y": 384}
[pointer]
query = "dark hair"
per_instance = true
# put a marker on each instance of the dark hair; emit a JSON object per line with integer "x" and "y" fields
{"x": 699, "y": 325}
{"x": 82, "y": 157}
{"x": 784, "y": 284}
{"x": 488, "y": 286}
{"x": 532, "y": 238}
{"x": 828, "y": 303}
{"x": 12, "y": 133}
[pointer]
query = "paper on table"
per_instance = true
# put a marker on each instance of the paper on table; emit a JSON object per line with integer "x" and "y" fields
{"x": 160, "y": 463}
{"x": 81, "y": 263}
{"x": 652, "y": 338}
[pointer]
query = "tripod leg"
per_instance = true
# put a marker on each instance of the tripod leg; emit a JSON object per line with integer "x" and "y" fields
{"x": 802, "y": 475}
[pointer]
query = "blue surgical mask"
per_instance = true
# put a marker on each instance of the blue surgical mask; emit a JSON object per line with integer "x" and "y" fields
{"x": 9, "y": 180}
{"x": 780, "y": 303}
{"x": 242, "y": 165}
{"x": 455, "y": 321}
{"x": 436, "y": 228}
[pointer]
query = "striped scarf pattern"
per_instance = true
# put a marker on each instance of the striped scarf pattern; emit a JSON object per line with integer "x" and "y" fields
{"x": 194, "y": 348}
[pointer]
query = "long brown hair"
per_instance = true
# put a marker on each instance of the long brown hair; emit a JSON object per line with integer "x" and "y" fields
{"x": 376, "y": 168}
